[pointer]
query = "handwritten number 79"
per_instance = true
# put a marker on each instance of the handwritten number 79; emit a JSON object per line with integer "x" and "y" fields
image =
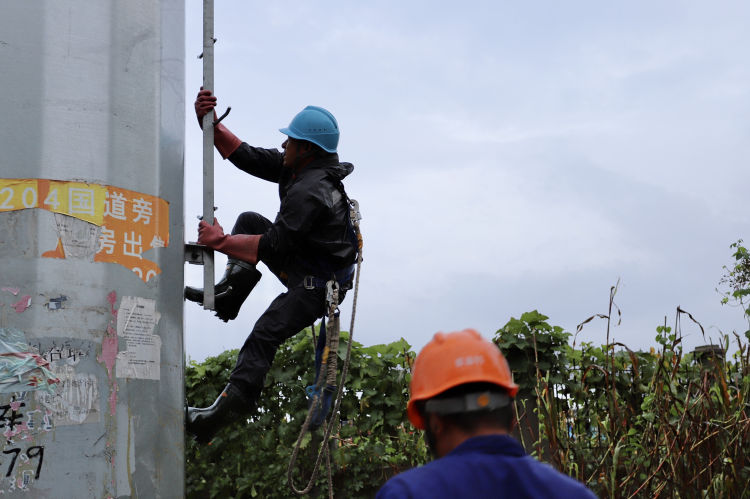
{"x": 35, "y": 451}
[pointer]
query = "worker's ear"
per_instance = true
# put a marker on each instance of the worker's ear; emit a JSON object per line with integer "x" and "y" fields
{"x": 305, "y": 149}
{"x": 435, "y": 423}
{"x": 513, "y": 421}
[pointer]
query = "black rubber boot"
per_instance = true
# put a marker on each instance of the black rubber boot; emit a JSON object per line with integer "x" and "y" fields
{"x": 231, "y": 291}
{"x": 203, "y": 423}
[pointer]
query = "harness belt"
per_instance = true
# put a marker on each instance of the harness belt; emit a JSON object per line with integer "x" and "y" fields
{"x": 343, "y": 277}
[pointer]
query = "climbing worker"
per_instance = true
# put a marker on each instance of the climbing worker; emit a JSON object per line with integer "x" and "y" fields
{"x": 462, "y": 396}
{"x": 310, "y": 243}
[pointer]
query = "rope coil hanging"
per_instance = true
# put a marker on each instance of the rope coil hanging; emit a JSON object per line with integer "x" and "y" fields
{"x": 329, "y": 362}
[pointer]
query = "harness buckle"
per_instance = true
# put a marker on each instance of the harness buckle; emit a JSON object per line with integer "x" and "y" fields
{"x": 354, "y": 214}
{"x": 332, "y": 292}
{"x": 308, "y": 282}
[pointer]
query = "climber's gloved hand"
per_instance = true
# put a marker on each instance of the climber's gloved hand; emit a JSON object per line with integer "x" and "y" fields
{"x": 240, "y": 246}
{"x": 225, "y": 141}
{"x": 210, "y": 235}
{"x": 205, "y": 102}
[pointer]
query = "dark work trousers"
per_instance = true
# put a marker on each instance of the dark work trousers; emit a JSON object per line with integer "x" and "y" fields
{"x": 288, "y": 314}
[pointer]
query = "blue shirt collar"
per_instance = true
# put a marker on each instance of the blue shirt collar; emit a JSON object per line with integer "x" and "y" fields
{"x": 490, "y": 444}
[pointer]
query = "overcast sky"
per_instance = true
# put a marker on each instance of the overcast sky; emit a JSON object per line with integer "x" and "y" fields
{"x": 509, "y": 156}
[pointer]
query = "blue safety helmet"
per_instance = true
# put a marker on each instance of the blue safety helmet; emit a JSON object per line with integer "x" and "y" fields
{"x": 315, "y": 125}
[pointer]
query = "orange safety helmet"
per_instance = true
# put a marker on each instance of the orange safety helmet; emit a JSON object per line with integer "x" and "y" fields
{"x": 455, "y": 359}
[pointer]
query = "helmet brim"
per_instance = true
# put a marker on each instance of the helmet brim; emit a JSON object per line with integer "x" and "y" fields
{"x": 290, "y": 133}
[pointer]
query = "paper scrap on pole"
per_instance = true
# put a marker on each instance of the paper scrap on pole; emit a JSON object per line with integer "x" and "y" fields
{"x": 77, "y": 397}
{"x": 21, "y": 368}
{"x": 79, "y": 238}
{"x": 136, "y": 319}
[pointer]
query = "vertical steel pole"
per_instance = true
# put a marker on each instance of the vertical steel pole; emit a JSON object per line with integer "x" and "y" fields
{"x": 208, "y": 150}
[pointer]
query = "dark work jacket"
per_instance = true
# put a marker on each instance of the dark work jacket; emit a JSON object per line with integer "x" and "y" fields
{"x": 484, "y": 467}
{"x": 311, "y": 234}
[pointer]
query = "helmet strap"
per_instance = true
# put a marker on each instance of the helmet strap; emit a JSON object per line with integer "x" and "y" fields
{"x": 471, "y": 402}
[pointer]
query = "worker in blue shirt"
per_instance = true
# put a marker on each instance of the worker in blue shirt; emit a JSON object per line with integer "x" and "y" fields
{"x": 462, "y": 395}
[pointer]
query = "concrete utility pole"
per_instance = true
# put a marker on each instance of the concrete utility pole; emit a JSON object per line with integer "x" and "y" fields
{"x": 91, "y": 248}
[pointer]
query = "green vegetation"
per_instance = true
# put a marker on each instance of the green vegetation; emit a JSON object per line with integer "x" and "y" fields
{"x": 662, "y": 422}
{"x": 737, "y": 279}
{"x": 373, "y": 440}
{"x": 634, "y": 424}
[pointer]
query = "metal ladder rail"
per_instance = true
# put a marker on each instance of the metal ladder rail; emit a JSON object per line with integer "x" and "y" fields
{"x": 208, "y": 151}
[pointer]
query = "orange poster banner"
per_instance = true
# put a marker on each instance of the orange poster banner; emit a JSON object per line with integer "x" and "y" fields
{"x": 133, "y": 223}
{"x": 130, "y": 222}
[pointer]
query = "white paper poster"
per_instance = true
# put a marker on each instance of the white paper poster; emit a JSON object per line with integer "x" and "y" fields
{"x": 76, "y": 399}
{"x": 136, "y": 319}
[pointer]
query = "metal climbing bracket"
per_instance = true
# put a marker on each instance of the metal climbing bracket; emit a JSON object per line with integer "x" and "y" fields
{"x": 194, "y": 253}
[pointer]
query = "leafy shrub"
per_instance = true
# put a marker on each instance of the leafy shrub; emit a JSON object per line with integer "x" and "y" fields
{"x": 634, "y": 424}
{"x": 373, "y": 440}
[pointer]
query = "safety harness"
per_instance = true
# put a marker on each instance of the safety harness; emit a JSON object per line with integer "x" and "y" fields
{"x": 326, "y": 355}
